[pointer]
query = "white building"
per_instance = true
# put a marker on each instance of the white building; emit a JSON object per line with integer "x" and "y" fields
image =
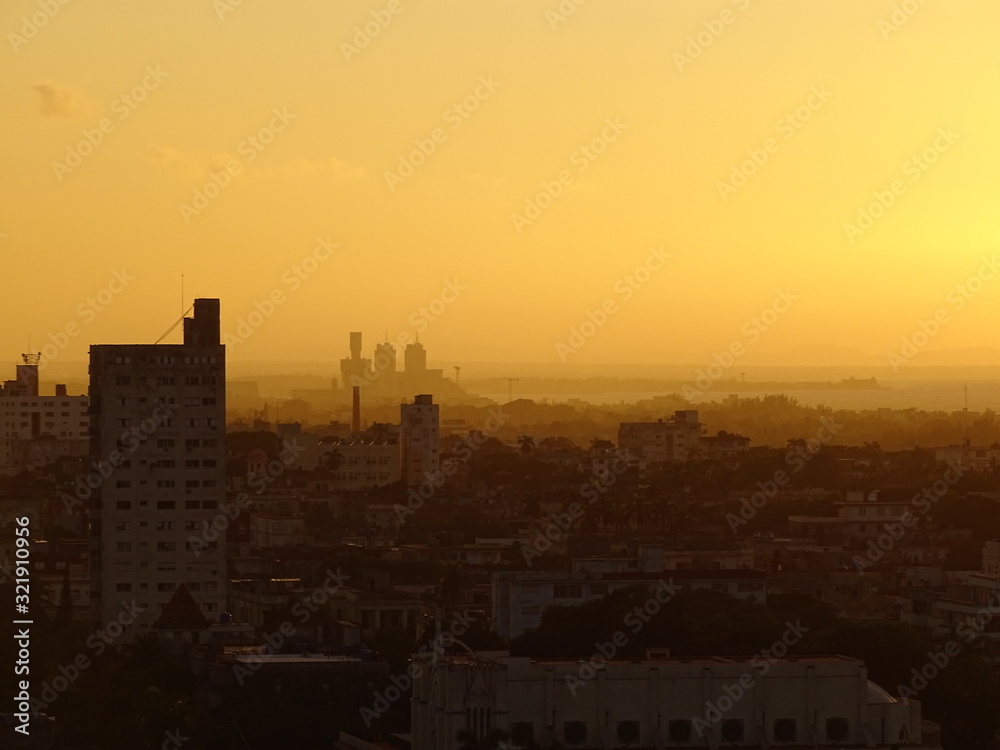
{"x": 419, "y": 440}
{"x": 158, "y": 426}
{"x": 659, "y": 703}
{"x": 673, "y": 439}
{"x": 520, "y": 598}
{"x": 36, "y": 429}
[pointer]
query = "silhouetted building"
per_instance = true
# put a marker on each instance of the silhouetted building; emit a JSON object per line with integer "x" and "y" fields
{"x": 34, "y": 429}
{"x": 157, "y": 428}
{"x": 419, "y": 440}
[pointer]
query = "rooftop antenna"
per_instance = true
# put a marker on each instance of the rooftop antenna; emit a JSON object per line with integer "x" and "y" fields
{"x": 510, "y": 388}
{"x": 167, "y": 332}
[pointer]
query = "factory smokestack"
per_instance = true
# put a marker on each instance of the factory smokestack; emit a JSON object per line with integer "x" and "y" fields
{"x": 356, "y": 411}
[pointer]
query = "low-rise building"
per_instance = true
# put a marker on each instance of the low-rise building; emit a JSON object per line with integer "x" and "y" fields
{"x": 659, "y": 703}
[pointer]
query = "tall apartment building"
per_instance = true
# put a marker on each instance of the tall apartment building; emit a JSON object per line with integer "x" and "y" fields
{"x": 419, "y": 440}
{"x": 37, "y": 429}
{"x": 158, "y": 427}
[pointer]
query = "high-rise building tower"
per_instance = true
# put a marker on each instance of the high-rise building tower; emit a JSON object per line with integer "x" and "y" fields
{"x": 415, "y": 358}
{"x": 385, "y": 366}
{"x": 355, "y": 370}
{"x": 419, "y": 440}
{"x": 157, "y": 417}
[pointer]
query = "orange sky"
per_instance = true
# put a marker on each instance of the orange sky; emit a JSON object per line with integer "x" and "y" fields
{"x": 507, "y": 168}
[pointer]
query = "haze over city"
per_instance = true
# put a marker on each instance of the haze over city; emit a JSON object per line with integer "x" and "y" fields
{"x": 513, "y": 375}
{"x": 521, "y": 93}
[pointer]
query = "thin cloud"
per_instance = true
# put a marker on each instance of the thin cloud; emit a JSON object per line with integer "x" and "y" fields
{"x": 188, "y": 166}
{"x": 334, "y": 167}
{"x": 56, "y": 100}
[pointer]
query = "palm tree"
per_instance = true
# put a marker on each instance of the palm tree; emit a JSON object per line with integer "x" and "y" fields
{"x": 333, "y": 459}
{"x": 527, "y": 444}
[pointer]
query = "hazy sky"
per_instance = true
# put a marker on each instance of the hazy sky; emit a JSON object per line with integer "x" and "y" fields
{"x": 630, "y": 125}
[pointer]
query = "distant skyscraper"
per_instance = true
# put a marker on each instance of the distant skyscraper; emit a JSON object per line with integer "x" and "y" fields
{"x": 415, "y": 358}
{"x": 157, "y": 427}
{"x": 419, "y": 440}
{"x": 355, "y": 370}
{"x": 385, "y": 365}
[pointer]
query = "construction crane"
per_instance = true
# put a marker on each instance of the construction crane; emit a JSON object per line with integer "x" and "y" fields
{"x": 510, "y": 388}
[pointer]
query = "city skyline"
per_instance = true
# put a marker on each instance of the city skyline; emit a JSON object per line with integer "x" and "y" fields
{"x": 643, "y": 164}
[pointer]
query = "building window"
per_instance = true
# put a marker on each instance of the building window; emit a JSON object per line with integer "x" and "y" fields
{"x": 123, "y": 380}
{"x": 166, "y": 546}
{"x": 575, "y": 732}
{"x": 567, "y": 591}
{"x": 123, "y": 587}
{"x": 837, "y": 729}
{"x": 165, "y": 504}
{"x": 598, "y": 589}
{"x": 123, "y": 484}
{"x": 732, "y": 730}
{"x": 785, "y": 730}
{"x": 124, "y": 546}
{"x": 522, "y": 733}
{"x": 123, "y": 505}
{"x": 191, "y": 505}
{"x": 165, "y": 483}
{"x": 679, "y": 731}
{"x": 628, "y": 731}
{"x": 165, "y": 587}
